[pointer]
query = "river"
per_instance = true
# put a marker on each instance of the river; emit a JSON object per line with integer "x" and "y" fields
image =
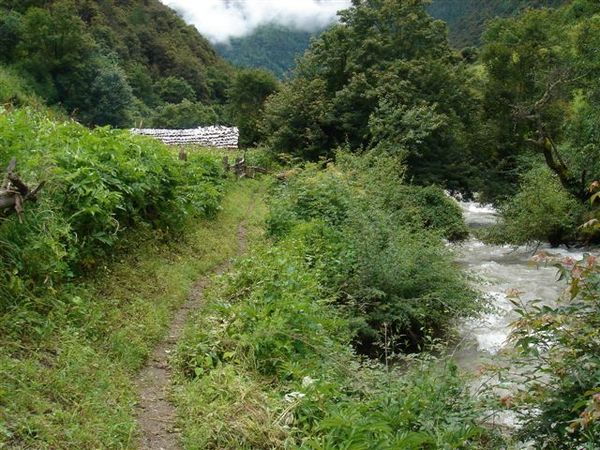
{"x": 500, "y": 271}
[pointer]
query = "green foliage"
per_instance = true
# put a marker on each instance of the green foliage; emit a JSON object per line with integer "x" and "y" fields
{"x": 112, "y": 97}
{"x": 299, "y": 130}
{"x": 247, "y": 94}
{"x": 99, "y": 184}
{"x": 540, "y": 81}
{"x": 269, "y": 361}
{"x": 110, "y": 63}
{"x": 541, "y": 211}
{"x": 272, "y": 47}
{"x": 174, "y": 90}
{"x": 66, "y": 378}
{"x": 10, "y": 33}
{"x": 426, "y": 407}
{"x": 385, "y": 78}
{"x": 388, "y": 263}
{"x": 559, "y": 359}
{"x": 14, "y": 90}
{"x": 186, "y": 114}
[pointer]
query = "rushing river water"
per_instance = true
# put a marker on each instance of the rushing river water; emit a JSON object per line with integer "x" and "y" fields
{"x": 498, "y": 271}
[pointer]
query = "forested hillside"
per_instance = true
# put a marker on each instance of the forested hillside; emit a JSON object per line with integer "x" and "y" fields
{"x": 273, "y": 47}
{"x": 114, "y": 62}
{"x": 467, "y": 18}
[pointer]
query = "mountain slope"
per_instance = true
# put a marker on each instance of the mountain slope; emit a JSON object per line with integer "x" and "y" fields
{"x": 129, "y": 56}
{"x": 273, "y": 47}
{"x": 466, "y": 18}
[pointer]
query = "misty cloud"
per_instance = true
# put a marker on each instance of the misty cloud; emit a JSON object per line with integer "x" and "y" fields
{"x": 220, "y": 20}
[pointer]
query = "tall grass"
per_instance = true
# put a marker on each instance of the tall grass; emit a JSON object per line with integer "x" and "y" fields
{"x": 102, "y": 185}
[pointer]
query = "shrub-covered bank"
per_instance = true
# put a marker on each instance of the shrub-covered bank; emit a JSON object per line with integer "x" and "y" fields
{"x": 269, "y": 362}
{"x": 102, "y": 186}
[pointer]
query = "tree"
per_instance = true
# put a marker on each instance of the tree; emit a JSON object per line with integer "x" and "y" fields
{"x": 113, "y": 97}
{"x": 186, "y": 114}
{"x": 541, "y": 75}
{"x": 10, "y": 34}
{"x": 174, "y": 90}
{"x": 247, "y": 95}
{"x": 385, "y": 78}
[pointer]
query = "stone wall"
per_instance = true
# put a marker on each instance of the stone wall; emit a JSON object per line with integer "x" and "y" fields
{"x": 214, "y": 136}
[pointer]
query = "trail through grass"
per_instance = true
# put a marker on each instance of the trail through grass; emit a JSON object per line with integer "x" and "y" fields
{"x": 156, "y": 414}
{"x": 73, "y": 387}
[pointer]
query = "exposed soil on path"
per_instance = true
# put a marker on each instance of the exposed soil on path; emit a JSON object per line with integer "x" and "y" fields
{"x": 156, "y": 416}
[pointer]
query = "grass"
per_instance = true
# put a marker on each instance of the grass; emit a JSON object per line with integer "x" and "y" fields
{"x": 71, "y": 385}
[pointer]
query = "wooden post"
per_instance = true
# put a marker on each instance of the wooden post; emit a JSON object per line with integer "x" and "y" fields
{"x": 182, "y": 154}
{"x": 238, "y": 167}
{"x": 226, "y": 165}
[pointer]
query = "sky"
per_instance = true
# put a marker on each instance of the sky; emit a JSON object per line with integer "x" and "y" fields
{"x": 219, "y": 20}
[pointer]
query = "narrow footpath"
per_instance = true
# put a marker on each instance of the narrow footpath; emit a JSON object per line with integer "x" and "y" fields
{"x": 155, "y": 414}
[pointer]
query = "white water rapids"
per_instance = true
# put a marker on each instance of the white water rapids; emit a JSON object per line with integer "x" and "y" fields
{"x": 499, "y": 271}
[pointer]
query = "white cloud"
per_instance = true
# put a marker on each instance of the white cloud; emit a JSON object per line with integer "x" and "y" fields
{"x": 219, "y": 20}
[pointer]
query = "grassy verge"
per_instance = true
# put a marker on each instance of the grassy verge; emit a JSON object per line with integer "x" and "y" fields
{"x": 71, "y": 386}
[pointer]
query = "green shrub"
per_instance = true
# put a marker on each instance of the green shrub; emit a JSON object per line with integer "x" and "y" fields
{"x": 427, "y": 407}
{"x": 100, "y": 185}
{"x": 14, "y": 91}
{"x": 187, "y": 114}
{"x": 380, "y": 245}
{"x": 559, "y": 363}
{"x": 312, "y": 194}
{"x": 402, "y": 283}
{"x": 542, "y": 210}
{"x": 434, "y": 210}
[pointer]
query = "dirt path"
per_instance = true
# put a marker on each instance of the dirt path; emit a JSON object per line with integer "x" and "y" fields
{"x": 156, "y": 416}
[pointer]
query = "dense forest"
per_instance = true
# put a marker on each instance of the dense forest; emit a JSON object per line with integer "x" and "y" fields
{"x": 151, "y": 298}
{"x": 467, "y": 19}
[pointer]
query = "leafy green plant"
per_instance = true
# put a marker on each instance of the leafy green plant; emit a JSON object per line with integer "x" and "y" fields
{"x": 100, "y": 184}
{"x": 542, "y": 210}
{"x": 380, "y": 243}
{"x": 559, "y": 402}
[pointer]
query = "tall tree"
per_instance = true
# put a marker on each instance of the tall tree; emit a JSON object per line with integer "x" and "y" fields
{"x": 542, "y": 87}
{"x": 247, "y": 95}
{"x": 384, "y": 74}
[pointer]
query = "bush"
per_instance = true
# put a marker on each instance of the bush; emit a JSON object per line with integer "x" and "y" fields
{"x": 14, "y": 91}
{"x": 379, "y": 242}
{"x": 312, "y": 194}
{"x": 542, "y": 210}
{"x": 559, "y": 361}
{"x": 100, "y": 184}
{"x": 186, "y": 114}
